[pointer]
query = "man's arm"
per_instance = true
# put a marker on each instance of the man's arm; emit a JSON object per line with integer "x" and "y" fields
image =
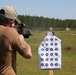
{"x": 23, "y": 48}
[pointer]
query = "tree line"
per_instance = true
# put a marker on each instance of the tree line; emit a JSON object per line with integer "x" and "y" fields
{"x": 45, "y": 23}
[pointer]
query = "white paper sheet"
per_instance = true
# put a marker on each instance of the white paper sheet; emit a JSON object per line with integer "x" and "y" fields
{"x": 49, "y": 52}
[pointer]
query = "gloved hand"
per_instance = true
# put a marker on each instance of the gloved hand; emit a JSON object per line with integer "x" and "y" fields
{"x": 27, "y": 33}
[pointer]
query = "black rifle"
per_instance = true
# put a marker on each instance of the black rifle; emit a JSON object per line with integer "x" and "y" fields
{"x": 22, "y": 30}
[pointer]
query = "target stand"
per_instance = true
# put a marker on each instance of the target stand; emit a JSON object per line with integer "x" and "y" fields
{"x": 49, "y": 53}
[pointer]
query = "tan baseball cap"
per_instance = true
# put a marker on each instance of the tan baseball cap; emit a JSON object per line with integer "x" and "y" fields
{"x": 10, "y": 12}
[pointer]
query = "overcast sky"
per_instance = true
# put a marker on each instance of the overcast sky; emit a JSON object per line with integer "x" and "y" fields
{"x": 61, "y": 9}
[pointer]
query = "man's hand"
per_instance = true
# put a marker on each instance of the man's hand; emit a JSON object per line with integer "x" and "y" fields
{"x": 27, "y": 33}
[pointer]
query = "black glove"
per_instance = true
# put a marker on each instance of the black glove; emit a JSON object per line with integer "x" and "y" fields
{"x": 27, "y": 33}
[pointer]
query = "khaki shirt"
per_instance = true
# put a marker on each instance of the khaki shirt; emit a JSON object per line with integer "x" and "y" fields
{"x": 10, "y": 42}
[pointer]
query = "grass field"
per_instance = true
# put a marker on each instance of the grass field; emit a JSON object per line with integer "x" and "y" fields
{"x": 30, "y": 66}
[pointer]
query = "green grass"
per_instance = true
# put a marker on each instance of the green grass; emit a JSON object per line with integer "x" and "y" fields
{"x": 30, "y": 66}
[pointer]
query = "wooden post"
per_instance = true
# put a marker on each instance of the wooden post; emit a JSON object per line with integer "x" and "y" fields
{"x": 50, "y": 72}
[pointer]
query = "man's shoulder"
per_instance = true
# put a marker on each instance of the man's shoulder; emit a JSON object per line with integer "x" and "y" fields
{"x": 6, "y": 29}
{"x": 11, "y": 30}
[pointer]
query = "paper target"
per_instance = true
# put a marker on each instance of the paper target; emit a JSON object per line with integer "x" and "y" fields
{"x": 49, "y": 52}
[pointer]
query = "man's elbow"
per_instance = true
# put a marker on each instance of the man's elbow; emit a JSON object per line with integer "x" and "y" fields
{"x": 28, "y": 56}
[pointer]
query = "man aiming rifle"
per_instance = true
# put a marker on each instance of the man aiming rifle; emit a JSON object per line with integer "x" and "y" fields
{"x": 11, "y": 41}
